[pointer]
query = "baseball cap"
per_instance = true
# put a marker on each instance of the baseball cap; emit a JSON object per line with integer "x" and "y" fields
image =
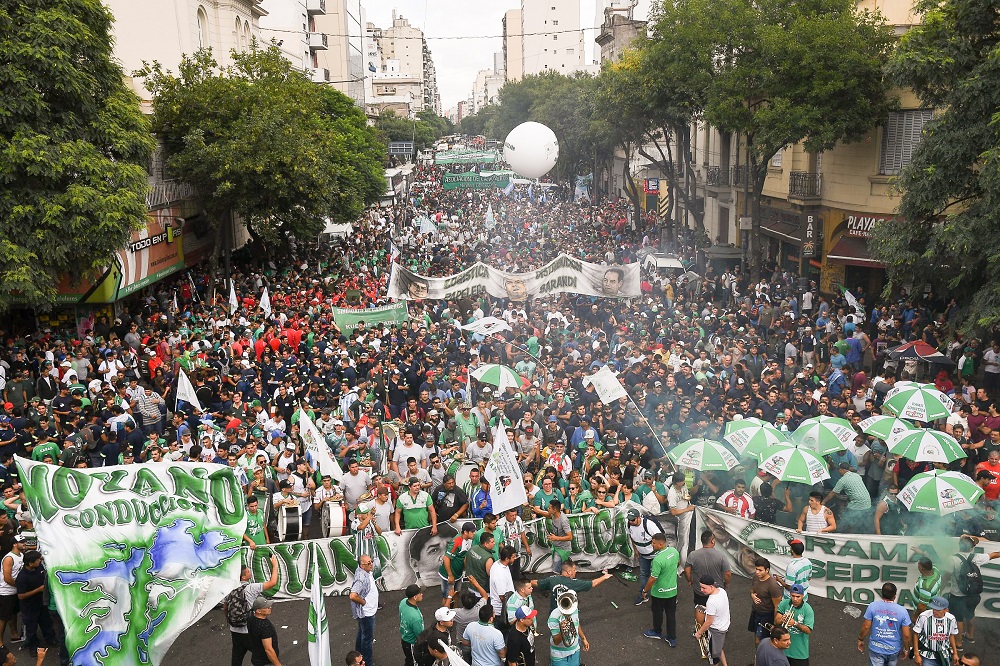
{"x": 552, "y": 419}
{"x": 797, "y": 589}
{"x": 262, "y": 602}
{"x": 937, "y": 603}
{"x": 590, "y": 434}
{"x": 468, "y": 526}
{"x": 525, "y": 613}
{"x": 632, "y": 514}
{"x": 413, "y": 481}
{"x": 444, "y": 614}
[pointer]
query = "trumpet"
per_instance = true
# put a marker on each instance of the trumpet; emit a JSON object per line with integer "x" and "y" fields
{"x": 787, "y": 623}
{"x": 566, "y": 604}
{"x": 699, "y": 618}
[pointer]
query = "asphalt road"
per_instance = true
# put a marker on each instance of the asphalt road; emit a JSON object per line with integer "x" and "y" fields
{"x": 615, "y": 633}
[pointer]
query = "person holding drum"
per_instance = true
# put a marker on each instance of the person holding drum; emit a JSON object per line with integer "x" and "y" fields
{"x": 289, "y": 515}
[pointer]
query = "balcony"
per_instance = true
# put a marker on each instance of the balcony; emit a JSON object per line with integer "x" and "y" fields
{"x": 739, "y": 176}
{"x": 316, "y": 7}
{"x": 321, "y": 75}
{"x": 805, "y": 185}
{"x": 317, "y": 41}
{"x": 717, "y": 176}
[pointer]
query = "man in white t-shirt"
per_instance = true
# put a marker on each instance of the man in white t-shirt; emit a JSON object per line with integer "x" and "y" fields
{"x": 407, "y": 448}
{"x": 717, "y": 619}
{"x": 501, "y": 582}
{"x": 250, "y": 591}
{"x": 679, "y": 501}
{"x": 10, "y": 566}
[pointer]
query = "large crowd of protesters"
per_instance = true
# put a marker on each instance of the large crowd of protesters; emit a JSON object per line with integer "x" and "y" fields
{"x": 695, "y": 352}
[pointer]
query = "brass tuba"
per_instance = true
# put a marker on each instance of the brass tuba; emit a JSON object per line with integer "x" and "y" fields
{"x": 566, "y": 604}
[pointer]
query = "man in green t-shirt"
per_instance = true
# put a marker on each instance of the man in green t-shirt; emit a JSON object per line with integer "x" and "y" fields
{"x": 255, "y": 534}
{"x": 649, "y": 485}
{"x": 800, "y": 627}
{"x": 411, "y": 621}
{"x": 453, "y": 563}
{"x": 416, "y": 509}
{"x": 662, "y": 588}
{"x": 45, "y": 447}
{"x": 478, "y": 563}
{"x": 489, "y": 525}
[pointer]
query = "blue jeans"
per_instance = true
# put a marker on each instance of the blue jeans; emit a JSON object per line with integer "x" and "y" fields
{"x": 883, "y": 659}
{"x": 645, "y": 566}
{"x": 366, "y": 636}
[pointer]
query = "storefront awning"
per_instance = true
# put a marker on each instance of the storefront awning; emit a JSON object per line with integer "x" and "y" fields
{"x": 783, "y": 230}
{"x": 852, "y": 251}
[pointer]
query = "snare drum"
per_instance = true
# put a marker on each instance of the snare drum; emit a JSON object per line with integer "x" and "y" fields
{"x": 334, "y": 520}
{"x": 290, "y": 523}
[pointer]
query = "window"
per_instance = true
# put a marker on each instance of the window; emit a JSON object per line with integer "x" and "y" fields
{"x": 555, "y": 51}
{"x": 202, "y": 28}
{"x": 555, "y": 23}
{"x": 555, "y": 36}
{"x": 570, "y": 51}
{"x": 900, "y": 137}
{"x": 776, "y": 160}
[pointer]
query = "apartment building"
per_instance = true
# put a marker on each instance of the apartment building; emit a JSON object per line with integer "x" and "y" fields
{"x": 343, "y": 65}
{"x": 551, "y": 37}
{"x": 405, "y": 75}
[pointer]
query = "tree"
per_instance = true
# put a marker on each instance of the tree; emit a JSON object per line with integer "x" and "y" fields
{"x": 948, "y": 236}
{"x": 780, "y": 73}
{"x": 423, "y": 130}
{"x": 261, "y": 140}
{"x": 73, "y": 142}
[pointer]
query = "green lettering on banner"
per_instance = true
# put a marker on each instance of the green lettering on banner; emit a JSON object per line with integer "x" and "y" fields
{"x": 838, "y": 571}
{"x": 190, "y": 483}
{"x": 899, "y": 552}
{"x": 865, "y": 573}
{"x": 852, "y": 549}
{"x": 347, "y": 319}
{"x": 893, "y": 574}
{"x": 824, "y": 544}
{"x": 842, "y": 594}
{"x": 146, "y": 482}
{"x": 69, "y": 487}
{"x": 228, "y": 497}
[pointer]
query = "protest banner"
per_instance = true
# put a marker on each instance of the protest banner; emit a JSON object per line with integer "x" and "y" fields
{"x": 562, "y": 275}
{"x": 466, "y": 157}
{"x": 140, "y": 552}
{"x": 504, "y": 475}
{"x": 347, "y": 319}
{"x": 846, "y": 567}
{"x": 486, "y": 180}
{"x": 599, "y": 541}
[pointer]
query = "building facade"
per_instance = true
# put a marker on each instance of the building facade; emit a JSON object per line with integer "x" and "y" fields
{"x": 551, "y": 37}
{"x": 404, "y": 76}
{"x": 343, "y": 65}
{"x": 513, "y": 46}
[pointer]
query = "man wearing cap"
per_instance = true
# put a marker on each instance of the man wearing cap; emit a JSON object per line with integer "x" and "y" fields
{"x": 432, "y": 643}
{"x": 263, "y": 636}
{"x": 641, "y": 531}
{"x": 520, "y": 641}
{"x": 415, "y": 508}
{"x": 411, "y": 622}
{"x": 717, "y": 619}
{"x": 800, "y": 625}
{"x": 934, "y": 635}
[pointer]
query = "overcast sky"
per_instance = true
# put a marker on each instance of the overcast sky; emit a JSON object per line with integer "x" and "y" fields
{"x": 458, "y": 60}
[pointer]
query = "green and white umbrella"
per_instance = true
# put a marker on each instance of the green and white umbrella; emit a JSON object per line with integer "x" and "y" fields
{"x": 940, "y": 492}
{"x": 824, "y": 434}
{"x": 795, "y": 464}
{"x": 703, "y": 455}
{"x": 748, "y": 422}
{"x": 756, "y": 436}
{"x": 926, "y": 446}
{"x": 920, "y": 402}
{"x": 885, "y": 427}
{"x": 498, "y": 375}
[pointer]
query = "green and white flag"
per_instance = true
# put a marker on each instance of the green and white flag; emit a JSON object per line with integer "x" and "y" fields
{"x": 136, "y": 553}
{"x": 319, "y": 629}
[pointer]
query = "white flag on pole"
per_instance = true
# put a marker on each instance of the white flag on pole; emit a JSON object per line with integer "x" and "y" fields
{"x": 234, "y": 302}
{"x": 318, "y": 627}
{"x": 487, "y": 326}
{"x": 607, "y": 385}
{"x": 185, "y": 390}
{"x": 490, "y": 219}
{"x": 265, "y": 303}
{"x": 316, "y": 445}
{"x": 454, "y": 658}
{"x": 176, "y": 309}
{"x": 504, "y": 475}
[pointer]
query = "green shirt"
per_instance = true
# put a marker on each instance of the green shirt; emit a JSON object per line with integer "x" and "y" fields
{"x": 563, "y": 650}
{"x": 639, "y": 493}
{"x": 800, "y": 640}
{"x": 457, "y": 549}
{"x": 664, "y": 570}
{"x": 496, "y": 542}
{"x": 546, "y": 585}
{"x": 854, "y": 487}
{"x": 475, "y": 566}
{"x": 416, "y": 513}
{"x": 255, "y": 527}
{"x": 928, "y": 587}
{"x": 46, "y": 449}
{"x": 411, "y": 622}
{"x": 542, "y": 499}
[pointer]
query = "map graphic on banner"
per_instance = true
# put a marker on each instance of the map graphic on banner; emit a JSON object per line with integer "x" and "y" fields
{"x": 347, "y": 319}
{"x": 599, "y": 541}
{"x": 562, "y": 275}
{"x": 141, "y": 552}
{"x": 846, "y": 567}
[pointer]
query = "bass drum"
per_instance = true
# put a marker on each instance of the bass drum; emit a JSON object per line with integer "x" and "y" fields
{"x": 334, "y": 520}
{"x": 290, "y": 523}
{"x": 463, "y": 475}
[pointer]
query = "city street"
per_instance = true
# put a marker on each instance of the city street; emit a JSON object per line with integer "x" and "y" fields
{"x": 615, "y": 633}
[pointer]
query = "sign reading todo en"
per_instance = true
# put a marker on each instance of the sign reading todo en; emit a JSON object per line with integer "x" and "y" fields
{"x": 141, "y": 552}
{"x": 847, "y": 567}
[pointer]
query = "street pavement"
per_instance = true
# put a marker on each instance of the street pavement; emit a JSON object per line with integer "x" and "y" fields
{"x": 615, "y": 633}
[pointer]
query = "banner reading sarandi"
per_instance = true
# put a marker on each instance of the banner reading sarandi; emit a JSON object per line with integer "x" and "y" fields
{"x": 846, "y": 567}
{"x": 135, "y": 553}
{"x": 562, "y": 275}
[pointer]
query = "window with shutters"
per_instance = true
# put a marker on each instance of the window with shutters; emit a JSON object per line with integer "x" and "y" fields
{"x": 900, "y": 137}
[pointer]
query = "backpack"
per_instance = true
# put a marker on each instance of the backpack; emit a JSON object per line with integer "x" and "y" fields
{"x": 970, "y": 578}
{"x": 237, "y": 607}
{"x": 653, "y": 520}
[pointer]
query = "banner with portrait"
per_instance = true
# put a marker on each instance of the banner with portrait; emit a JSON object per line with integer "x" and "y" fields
{"x": 846, "y": 567}
{"x": 562, "y": 275}
{"x": 600, "y": 540}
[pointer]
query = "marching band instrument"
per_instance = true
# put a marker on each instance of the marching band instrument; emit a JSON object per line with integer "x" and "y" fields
{"x": 290, "y": 523}
{"x": 334, "y": 519}
{"x": 566, "y": 604}
{"x": 703, "y": 642}
{"x": 787, "y": 623}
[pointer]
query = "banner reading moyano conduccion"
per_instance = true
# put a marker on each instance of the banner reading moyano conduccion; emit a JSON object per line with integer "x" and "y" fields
{"x": 140, "y": 552}
{"x": 564, "y": 274}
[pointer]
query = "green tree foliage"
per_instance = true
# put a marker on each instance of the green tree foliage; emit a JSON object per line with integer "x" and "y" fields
{"x": 778, "y": 73}
{"x": 427, "y": 128}
{"x": 262, "y": 140}
{"x": 72, "y": 147}
{"x": 951, "y": 188}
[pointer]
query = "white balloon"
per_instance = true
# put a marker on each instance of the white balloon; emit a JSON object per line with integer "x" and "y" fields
{"x": 531, "y": 149}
